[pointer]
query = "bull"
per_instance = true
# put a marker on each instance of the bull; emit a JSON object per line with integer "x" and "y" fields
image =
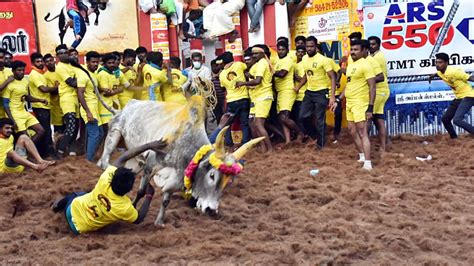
{"x": 182, "y": 126}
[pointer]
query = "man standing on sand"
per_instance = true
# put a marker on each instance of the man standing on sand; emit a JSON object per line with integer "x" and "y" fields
{"x": 107, "y": 203}
{"x": 458, "y": 80}
{"x": 360, "y": 94}
{"x": 13, "y": 158}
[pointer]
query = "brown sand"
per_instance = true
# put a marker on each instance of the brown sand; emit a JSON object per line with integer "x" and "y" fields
{"x": 405, "y": 211}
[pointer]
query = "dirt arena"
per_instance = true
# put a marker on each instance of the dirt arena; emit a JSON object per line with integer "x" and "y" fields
{"x": 404, "y": 212}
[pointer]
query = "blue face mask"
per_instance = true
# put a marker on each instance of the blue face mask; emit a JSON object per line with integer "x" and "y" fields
{"x": 196, "y": 64}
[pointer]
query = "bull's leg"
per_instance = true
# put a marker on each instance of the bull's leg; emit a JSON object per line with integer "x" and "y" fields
{"x": 113, "y": 138}
{"x": 160, "y": 219}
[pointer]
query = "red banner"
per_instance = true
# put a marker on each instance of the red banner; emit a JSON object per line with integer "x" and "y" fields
{"x": 17, "y": 33}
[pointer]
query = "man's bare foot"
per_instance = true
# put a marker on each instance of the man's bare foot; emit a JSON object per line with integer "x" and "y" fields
{"x": 48, "y": 162}
{"x": 40, "y": 167}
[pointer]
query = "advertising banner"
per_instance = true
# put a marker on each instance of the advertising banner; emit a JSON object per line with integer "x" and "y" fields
{"x": 412, "y": 33}
{"x": 102, "y": 27}
{"x": 159, "y": 34}
{"x": 17, "y": 33}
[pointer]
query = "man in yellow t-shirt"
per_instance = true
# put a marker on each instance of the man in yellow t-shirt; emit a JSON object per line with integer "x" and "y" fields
{"x": 68, "y": 100}
{"x": 237, "y": 98}
{"x": 298, "y": 75}
{"x": 13, "y": 158}
{"x": 286, "y": 95}
{"x": 321, "y": 78}
{"x": 155, "y": 76}
{"x": 40, "y": 90}
{"x": 260, "y": 91}
{"x": 174, "y": 92}
{"x": 52, "y": 80}
{"x": 111, "y": 82}
{"x": 6, "y": 76}
{"x": 382, "y": 90}
{"x": 90, "y": 104}
{"x": 360, "y": 95}
{"x": 458, "y": 80}
{"x": 14, "y": 98}
{"x": 130, "y": 75}
{"x": 139, "y": 66}
{"x": 107, "y": 203}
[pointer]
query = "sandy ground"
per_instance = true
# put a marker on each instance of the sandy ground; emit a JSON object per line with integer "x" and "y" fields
{"x": 403, "y": 212}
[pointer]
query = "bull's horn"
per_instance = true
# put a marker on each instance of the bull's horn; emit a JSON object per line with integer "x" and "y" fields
{"x": 238, "y": 154}
{"x": 219, "y": 145}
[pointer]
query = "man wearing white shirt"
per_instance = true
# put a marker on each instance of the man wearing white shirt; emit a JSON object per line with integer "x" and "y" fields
{"x": 197, "y": 70}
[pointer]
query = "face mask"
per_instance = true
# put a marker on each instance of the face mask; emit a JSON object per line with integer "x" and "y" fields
{"x": 196, "y": 64}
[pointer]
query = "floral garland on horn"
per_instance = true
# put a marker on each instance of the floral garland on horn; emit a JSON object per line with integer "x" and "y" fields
{"x": 190, "y": 171}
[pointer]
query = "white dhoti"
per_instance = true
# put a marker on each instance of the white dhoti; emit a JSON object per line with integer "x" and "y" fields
{"x": 217, "y": 17}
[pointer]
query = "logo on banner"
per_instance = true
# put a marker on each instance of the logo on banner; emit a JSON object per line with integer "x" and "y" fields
{"x": 15, "y": 43}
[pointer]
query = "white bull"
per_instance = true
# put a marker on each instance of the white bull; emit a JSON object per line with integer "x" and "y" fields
{"x": 182, "y": 127}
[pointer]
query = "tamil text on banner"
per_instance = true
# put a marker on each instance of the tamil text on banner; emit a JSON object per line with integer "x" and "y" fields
{"x": 412, "y": 33}
{"x": 112, "y": 25}
{"x": 17, "y": 33}
{"x": 159, "y": 34}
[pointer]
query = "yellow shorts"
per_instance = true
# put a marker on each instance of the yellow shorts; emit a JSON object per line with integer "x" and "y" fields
{"x": 285, "y": 100}
{"x": 56, "y": 112}
{"x": 7, "y": 169}
{"x": 2, "y": 112}
{"x": 261, "y": 108}
{"x": 355, "y": 111}
{"x": 379, "y": 104}
{"x": 24, "y": 120}
{"x": 69, "y": 104}
{"x": 94, "y": 108}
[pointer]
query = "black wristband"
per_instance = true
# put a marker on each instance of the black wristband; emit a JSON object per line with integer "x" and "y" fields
{"x": 370, "y": 109}
{"x": 338, "y": 99}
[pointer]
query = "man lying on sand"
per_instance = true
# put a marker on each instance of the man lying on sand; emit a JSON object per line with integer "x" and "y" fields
{"x": 107, "y": 202}
{"x": 14, "y": 158}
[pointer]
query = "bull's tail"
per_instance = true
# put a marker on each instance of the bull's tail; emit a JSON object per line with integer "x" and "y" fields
{"x": 46, "y": 18}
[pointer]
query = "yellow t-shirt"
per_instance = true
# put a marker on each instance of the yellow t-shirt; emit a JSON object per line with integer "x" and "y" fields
{"x": 109, "y": 81}
{"x": 379, "y": 58}
{"x": 285, "y": 83}
{"x": 155, "y": 77}
{"x": 130, "y": 76}
{"x": 229, "y": 77}
{"x": 357, "y": 88}
{"x": 4, "y": 74}
{"x": 274, "y": 56}
{"x": 15, "y": 91}
{"x": 316, "y": 69}
{"x": 263, "y": 90}
{"x": 174, "y": 92}
{"x": 457, "y": 79}
{"x": 56, "y": 112}
{"x": 83, "y": 81}
{"x": 299, "y": 70}
{"x": 6, "y": 145}
{"x": 102, "y": 206}
{"x": 67, "y": 94}
{"x": 37, "y": 80}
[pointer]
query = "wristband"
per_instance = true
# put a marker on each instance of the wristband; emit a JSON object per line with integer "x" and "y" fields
{"x": 370, "y": 109}
{"x": 337, "y": 99}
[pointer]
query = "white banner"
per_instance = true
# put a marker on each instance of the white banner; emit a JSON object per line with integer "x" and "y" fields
{"x": 412, "y": 33}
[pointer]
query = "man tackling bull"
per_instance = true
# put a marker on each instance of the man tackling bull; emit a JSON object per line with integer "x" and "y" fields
{"x": 107, "y": 202}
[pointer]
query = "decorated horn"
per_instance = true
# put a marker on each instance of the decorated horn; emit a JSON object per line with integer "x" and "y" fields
{"x": 238, "y": 154}
{"x": 219, "y": 144}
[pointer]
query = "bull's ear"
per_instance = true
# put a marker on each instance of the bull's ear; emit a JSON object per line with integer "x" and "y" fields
{"x": 220, "y": 145}
{"x": 238, "y": 154}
